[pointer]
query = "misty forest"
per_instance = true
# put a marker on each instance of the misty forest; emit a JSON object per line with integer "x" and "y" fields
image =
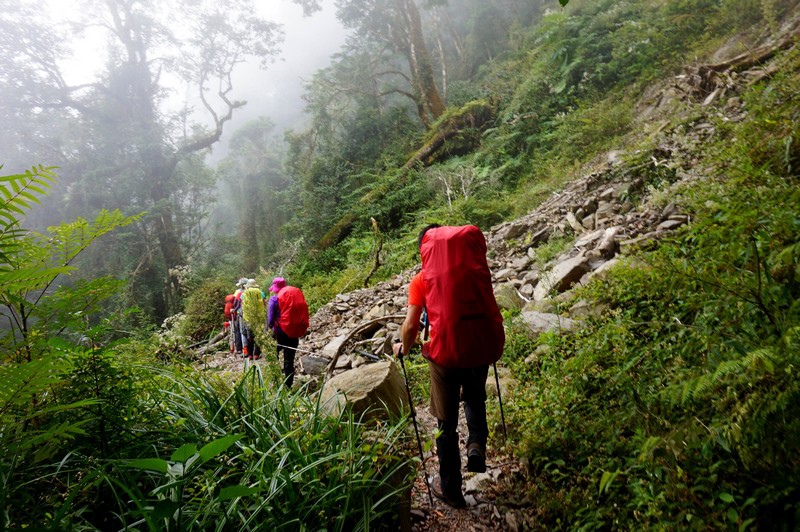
{"x": 634, "y": 166}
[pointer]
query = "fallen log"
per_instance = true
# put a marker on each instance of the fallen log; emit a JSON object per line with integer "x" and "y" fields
{"x": 454, "y": 126}
{"x": 212, "y": 343}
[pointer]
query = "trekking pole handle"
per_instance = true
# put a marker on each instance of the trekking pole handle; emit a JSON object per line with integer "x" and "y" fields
{"x": 399, "y": 352}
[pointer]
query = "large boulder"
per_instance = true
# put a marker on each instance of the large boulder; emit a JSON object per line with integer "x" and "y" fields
{"x": 561, "y": 277}
{"x": 376, "y": 390}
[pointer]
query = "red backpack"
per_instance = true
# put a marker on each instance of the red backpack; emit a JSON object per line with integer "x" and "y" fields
{"x": 228, "y": 305}
{"x": 292, "y": 305}
{"x": 466, "y": 324}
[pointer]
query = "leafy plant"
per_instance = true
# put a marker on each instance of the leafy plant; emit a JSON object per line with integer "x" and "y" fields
{"x": 273, "y": 459}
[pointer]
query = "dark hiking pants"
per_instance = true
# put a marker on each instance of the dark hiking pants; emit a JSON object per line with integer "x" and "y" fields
{"x": 448, "y": 387}
{"x": 288, "y": 345}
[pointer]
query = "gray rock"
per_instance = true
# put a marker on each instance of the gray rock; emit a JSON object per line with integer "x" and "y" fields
{"x": 527, "y": 290}
{"x": 512, "y": 522}
{"x": 507, "y": 297}
{"x": 586, "y": 309}
{"x": 342, "y": 364}
{"x": 506, "y": 273}
{"x": 605, "y": 210}
{"x": 531, "y": 277}
{"x": 589, "y": 239}
{"x": 561, "y": 277}
{"x": 541, "y": 322}
{"x": 541, "y": 236}
{"x": 378, "y": 311}
{"x": 520, "y": 263}
{"x": 376, "y": 390}
{"x": 608, "y": 245}
{"x": 669, "y": 225}
{"x": 333, "y": 346}
{"x": 478, "y": 482}
{"x": 574, "y": 223}
{"x": 668, "y": 211}
{"x": 589, "y": 205}
{"x": 311, "y": 365}
{"x": 515, "y": 231}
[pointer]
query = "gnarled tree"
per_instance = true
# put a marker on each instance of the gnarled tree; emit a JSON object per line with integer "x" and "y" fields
{"x": 128, "y": 140}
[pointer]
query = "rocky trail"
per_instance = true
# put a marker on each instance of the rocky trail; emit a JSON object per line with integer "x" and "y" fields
{"x": 593, "y": 223}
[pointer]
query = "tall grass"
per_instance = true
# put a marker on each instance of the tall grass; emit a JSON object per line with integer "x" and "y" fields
{"x": 248, "y": 456}
{"x": 275, "y": 460}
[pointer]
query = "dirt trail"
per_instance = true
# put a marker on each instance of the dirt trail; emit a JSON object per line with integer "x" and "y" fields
{"x": 494, "y": 498}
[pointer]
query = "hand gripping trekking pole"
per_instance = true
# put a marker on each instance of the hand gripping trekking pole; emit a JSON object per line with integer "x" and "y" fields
{"x": 500, "y": 400}
{"x": 416, "y": 429}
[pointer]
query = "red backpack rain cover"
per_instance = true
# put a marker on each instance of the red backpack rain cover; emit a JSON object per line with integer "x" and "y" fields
{"x": 466, "y": 324}
{"x": 294, "y": 312}
{"x": 228, "y": 305}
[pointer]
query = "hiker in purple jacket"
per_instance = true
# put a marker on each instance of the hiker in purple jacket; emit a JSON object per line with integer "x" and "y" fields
{"x": 285, "y": 344}
{"x": 287, "y": 318}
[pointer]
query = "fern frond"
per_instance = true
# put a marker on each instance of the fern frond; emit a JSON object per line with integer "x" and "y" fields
{"x": 760, "y": 360}
{"x": 20, "y": 382}
{"x": 728, "y": 367}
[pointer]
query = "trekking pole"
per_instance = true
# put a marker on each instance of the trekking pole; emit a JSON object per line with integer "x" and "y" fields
{"x": 416, "y": 429}
{"x": 500, "y": 400}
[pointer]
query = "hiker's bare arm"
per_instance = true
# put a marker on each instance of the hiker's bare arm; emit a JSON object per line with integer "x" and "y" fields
{"x": 410, "y": 328}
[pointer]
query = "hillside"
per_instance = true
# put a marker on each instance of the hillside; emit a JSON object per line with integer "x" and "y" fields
{"x": 634, "y": 168}
{"x": 565, "y": 273}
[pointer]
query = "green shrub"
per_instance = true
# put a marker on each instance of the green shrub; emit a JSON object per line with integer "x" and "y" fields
{"x": 205, "y": 310}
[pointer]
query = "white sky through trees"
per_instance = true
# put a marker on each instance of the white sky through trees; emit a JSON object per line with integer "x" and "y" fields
{"x": 274, "y": 92}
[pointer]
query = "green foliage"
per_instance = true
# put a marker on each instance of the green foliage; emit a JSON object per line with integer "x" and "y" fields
{"x": 678, "y": 408}
{"x": 19, "y": 193}
{"x": 205, "y": 309}
{"x": 56, "y": 393}
{"x": 258, "y": 457}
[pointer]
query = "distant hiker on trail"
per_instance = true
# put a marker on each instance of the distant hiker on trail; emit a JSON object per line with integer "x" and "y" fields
{"x": 253, "y": 316}
{"x": 287, "y": 318}
{"x": 236, "y": 316}
{"x": 466, "y": 336}
{"x": 228, "y": 325}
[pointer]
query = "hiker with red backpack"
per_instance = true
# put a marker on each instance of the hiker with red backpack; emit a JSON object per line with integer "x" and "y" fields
{"x": 228, "y": 325}
{"x": 287, "y": 318}
{"x": 466, "y": 337}
{"x": 236, "y": 317}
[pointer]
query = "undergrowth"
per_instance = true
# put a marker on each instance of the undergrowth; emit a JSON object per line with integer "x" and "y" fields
{"x": 679, "y": 407}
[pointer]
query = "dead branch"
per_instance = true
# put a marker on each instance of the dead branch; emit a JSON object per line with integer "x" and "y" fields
{"x": 358, "y": 330}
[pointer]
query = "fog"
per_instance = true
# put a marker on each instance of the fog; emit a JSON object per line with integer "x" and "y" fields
{"x": 275, "y": 91}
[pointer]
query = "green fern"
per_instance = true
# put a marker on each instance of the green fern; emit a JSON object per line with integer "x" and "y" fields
{"x": 17, "y": 195}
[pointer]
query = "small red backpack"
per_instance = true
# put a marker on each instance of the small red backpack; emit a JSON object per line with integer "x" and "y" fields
{"x": 228, "y": 305}
{"x": 293, "y": 309}
{"x": 466, "y": 324}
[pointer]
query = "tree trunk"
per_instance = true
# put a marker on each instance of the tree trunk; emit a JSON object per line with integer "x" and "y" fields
{"x": 430, "y": 104}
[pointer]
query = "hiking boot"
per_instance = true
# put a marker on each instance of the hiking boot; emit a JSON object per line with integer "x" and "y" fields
{"x": 455, "y": 500}
{"x": 476, "y": 459}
